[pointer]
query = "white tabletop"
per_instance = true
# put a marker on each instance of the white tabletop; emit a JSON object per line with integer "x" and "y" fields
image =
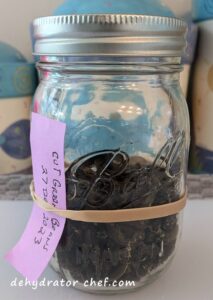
{"x": 189, "y": 277}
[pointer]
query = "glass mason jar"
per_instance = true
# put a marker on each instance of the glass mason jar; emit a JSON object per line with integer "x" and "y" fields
{"x": 114, "y": 81}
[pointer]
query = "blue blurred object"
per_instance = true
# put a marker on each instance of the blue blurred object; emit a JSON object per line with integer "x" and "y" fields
{"x": 17, "y": 76}
{"x": 202, "y": 10}
{"x": 15, "y": 140}
{"x": 18, "y": 81}
{"x": 145, "y": 7}
{"x": 10, "y": 54}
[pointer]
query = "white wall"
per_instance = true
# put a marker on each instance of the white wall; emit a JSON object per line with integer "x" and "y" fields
{"x": 15, "y": 17}
{"x": 179, "y": 7}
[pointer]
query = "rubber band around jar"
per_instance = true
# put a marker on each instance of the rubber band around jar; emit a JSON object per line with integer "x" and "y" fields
{"x": 112, "y": 216}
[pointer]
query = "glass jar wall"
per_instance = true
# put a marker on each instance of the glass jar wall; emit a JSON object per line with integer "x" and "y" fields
{"x": 126, "y": 146}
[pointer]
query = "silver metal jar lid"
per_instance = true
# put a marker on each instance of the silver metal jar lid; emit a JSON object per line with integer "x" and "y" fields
{"x": 109, "y": 35}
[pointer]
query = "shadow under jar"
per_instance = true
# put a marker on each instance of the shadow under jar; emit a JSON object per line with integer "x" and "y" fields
{"x": 114, "y": 81}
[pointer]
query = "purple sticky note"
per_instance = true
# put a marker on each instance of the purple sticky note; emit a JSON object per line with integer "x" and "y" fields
{"x": 41, "y": 236}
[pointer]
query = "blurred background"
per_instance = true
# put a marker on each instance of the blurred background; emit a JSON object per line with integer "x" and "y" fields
{"x": 18, "y": 81}
{"x": 15, "y": 18}
{"x": 17, "y": 32}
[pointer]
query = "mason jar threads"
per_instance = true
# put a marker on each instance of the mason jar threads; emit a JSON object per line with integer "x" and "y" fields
{"x": 114, "y": 81}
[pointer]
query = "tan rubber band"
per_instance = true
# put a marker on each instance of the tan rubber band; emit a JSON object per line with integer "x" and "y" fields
{"x": 113, "y": 216}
